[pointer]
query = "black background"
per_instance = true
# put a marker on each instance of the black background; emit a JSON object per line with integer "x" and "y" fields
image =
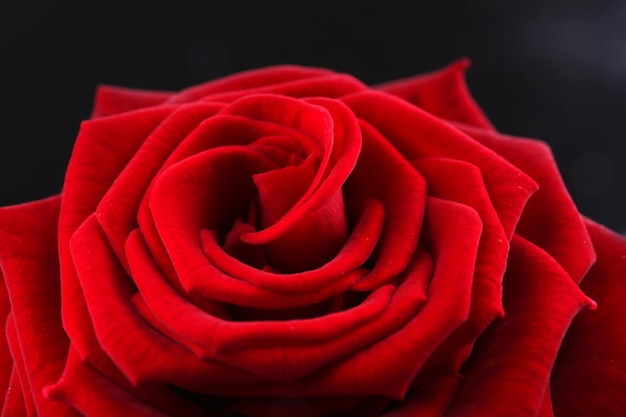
{"x": 549, "y": 70}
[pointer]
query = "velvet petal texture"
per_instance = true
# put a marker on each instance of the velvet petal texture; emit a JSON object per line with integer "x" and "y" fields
{"x": 510, "y": 366}
{"x": 550, "y": 218}
{"x": 102, "y": 149}
{"x": 589, "y": 377}
{"x": 462, "y": 182}
{"x": 416, "y": 134}
{"x": 288, "y": 242}
{"x": 29, "y": 261}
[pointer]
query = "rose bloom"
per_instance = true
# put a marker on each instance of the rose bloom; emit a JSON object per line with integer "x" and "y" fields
{"x": 290, "y": 242}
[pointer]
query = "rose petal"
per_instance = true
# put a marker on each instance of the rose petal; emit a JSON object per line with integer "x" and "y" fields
{"x": 550, "y": 217}
{"x": 255, "y": 345}
{"x": 442, "y": 93}
{"x": 335, "y": 129}
{"x": 369, "y": 216}
{"x": 509, "y": 368}
{"x": 140, "y": 352}
{"x": 330, "y": 85}
{"x": 402, "y": 191}
{"x": 546, "y": 404}
{"x": 20, "y": 368}
{"x": 217, "y": 131}
{"x": 103, "y": 148}
{"x": 247, "y": 80}
{"x": 417, "y": 134}
{"x": 6, "y": 361}
{"x": 182, "y": 208}
{"x": 117, "y": 211}
{"x": 589, "y": 376}
{"x": 315, "y": 239}
{"x": 85, "y": 388}
{"x": 387, "y": 368}
{"x": 272, "y": 293}
{"x": 231, "y": 130}
{"x": 429, "y": 400}
{"x": 252, "y": 255}
{"x": 463, "y": 183}
{"x": 29, "y": 259}
{"x": 14, "y": 400}
{"x": 111, "y": 100}
{"x": 93, "y": 395}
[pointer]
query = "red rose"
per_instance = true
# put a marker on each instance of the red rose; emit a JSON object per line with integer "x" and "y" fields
{"x": 290, "y": 242}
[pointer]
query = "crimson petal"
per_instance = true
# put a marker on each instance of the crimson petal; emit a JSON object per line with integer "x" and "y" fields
{"x": 111, "y": 100}
{"x": 388, "y": 367}
{"x": 443, "y": 93}
{"x": 329, "y": 85}
{"x": 14, "y": 404}
{"x": 103, "y": 147}
{"x": 139, "y": 351}
{"x": 550, "y": 217}
{"x": 508, "y": 371}
{"x": 417, "y": 134}
{"x": 117, "y": 211}
{"x": 589, "y": 376}
{"x": 29, "y": 260}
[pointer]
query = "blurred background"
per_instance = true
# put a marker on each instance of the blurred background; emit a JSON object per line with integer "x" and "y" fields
{"x": 549, "y": 70}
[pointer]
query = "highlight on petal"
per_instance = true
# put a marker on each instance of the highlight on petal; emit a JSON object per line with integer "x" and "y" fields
{"x": 443, "y": 93}
{"x": 589, "y": 376}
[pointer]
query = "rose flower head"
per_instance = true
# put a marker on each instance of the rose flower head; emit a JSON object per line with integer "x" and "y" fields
{"x": 289, "y": 242}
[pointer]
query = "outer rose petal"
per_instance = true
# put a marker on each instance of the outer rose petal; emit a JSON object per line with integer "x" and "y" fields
{"x": 550, "y": 217}
{"x": 112, "y": 100}
{"x": 248, "y": 80}
{"x": 510, "y": 366}
{"x": 417, "y": 134}
{"x": 29, "y": 261}
{"x": 93, "y": 395}
{"x": 6, "y": 362}
{"x": 20, "y": 369}
{"x": 589, "y": 377}
{"x": 102, "y": 149}
{"x": 442, "y": 93}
